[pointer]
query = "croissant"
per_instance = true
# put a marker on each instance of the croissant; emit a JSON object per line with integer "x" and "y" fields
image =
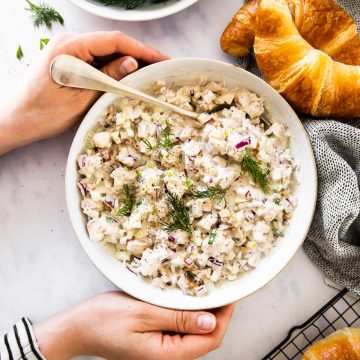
{"x": 342, "y": 345}
{"x": 322, "y": 23}
{"x": 308, "y": 79}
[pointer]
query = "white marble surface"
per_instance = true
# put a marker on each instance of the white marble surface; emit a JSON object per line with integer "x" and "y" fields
{"x": 42, "y": 267}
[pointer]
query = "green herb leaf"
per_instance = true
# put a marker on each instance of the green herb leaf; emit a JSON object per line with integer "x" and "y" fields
{"x": 178, "y": 213}
{"x": 277, "y": 233}
{"x": 43, "y": 43}
{"x": 19, "y": 53}
{"x": 147, "y": 143}
{"x": 259, "y": 175}
{"x": 43, "y": 14}
{"x": 212, "y": 237}
{"x": 187, "y": 182}
{"x": 129, "y": 4}
{"x": 125, "y": 210}
{"x": 277, "y": 201}
{"x": 165, "y": 141}
{"x": 109, "y": 219}
{"x": 211, "y": 192}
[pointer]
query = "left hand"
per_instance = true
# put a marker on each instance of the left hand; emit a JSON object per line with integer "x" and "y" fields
{"x": 41, "y": 108}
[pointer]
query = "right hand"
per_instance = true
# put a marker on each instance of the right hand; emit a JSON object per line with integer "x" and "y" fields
{"x": 115, "y": 326}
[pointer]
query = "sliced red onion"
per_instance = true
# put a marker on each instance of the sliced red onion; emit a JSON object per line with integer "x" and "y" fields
{"x": 130, "y": 269}
{"x": 171, "y": 239}
{"x": 109, "y": 200}
{"x": 83, "y": 188}
{"x": 215, "y": 261}
{"x": 105, "y": 155}
{"x": 83, "y": 161}
{"x": 243, "y": 143}
{"x": 211, "y": 180}
{"x": 165, "y": 260}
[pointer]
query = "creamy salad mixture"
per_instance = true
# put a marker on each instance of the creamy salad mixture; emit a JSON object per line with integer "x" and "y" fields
{"x": 188, "y": 203}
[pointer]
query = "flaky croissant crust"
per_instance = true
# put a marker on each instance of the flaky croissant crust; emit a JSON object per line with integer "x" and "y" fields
{"x": 308, "y": 79}
{"x": 322, "y": 23}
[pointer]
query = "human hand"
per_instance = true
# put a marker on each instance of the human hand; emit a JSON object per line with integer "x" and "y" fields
{"x": 115, "y": 326}
{"x": 40, "y": 108}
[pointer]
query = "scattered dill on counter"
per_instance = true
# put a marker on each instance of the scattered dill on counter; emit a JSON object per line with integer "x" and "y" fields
{"x": 44, "y": 14}
{"x": 19, "y": 53}
{"x": 43, "y": 43}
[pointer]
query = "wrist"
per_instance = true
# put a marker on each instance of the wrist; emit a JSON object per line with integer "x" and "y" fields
{"x": 60, "y": 337}
{"x": 14, "y": 127}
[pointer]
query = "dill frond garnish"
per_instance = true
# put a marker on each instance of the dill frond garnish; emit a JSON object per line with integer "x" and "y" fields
{"x": 129, "y": 4}
{"x": 212, "y": 237}
{"x": 178, "y": 213}
{"x": 259, "y": 176}
{"x": 125, "y": 210}
{"x": 277, "y": 233}
{"x": 19, "y": 53}
{"x": 43, "y": 14}
{"x": 165, "y": 137}
{"x": 211, "y": 192}
{"x": 147, "y": 144}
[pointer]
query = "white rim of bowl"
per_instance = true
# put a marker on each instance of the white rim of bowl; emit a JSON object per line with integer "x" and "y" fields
{"x": 132, "y": 15}
{"x": 233, "y": 298}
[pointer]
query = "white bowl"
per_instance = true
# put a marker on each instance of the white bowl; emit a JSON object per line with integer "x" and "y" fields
{"x": 149, "y": 12}
{"x": 182, "y": 72}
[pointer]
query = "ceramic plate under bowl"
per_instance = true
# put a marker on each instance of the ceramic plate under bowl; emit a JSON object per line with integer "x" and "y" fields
{"x": 184, "y": 72}
{"x": 149, "y": 12}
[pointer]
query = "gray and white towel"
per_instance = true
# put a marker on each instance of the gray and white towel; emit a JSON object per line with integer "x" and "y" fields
{"x": 333, "y": 242}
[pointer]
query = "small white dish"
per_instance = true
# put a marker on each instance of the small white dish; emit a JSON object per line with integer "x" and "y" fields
{"x": 181, "y": 72}
{"x": 148, "y": 12}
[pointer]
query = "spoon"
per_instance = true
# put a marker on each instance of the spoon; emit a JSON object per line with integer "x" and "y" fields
{"x": 70, "y": 71}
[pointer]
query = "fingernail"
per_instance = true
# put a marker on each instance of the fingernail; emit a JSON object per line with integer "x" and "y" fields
{"x": 206, "y": 322}
{"x": 129, "y": 65}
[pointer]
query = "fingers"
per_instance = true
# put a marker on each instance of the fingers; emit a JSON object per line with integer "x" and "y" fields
{"x": 121, "y": 67}
{"x": 194, "y": 346}
{"x": 187, "y": 322}
{"x": 104, "y": 43}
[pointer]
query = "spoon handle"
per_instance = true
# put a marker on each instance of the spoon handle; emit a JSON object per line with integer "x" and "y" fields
{"x": 70, "y": 71}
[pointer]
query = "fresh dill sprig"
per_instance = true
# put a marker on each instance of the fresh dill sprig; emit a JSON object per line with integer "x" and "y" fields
{"x": 43, "y": 14}
{"x": 165, "y": 135}
{"x": 178, "y": 213}
{"x": 147, "y": 144}
{"x": 19, "y": 53}
{"x": 43, "y": 43}
{"x": 212, "y": 237}
{"x": 259, "y": 175}
{"x": 129, "y": 4}
{"x": 125, "y": 210}
{"x": 277, "y": 232}
{"x": 211, "y": 192}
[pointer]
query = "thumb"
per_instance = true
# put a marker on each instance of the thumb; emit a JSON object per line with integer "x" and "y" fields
{"x": 121, "y": 67}
{"x": 187, "y": 322}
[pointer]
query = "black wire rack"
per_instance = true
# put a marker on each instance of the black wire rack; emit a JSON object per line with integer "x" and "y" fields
{"x": 341, "y": 311}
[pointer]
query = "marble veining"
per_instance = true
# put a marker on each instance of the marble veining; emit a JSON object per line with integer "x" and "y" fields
{"x": 42, "y": 267}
